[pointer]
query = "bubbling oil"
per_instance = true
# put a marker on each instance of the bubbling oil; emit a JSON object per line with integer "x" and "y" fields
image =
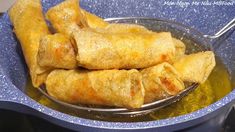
{"x": 216, "y": 87}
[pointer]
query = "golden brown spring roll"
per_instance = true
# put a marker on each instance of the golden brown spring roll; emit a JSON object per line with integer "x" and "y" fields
{"x": 56, "y": 51}
{"x": 133, "y": 28}
{"x": 196, "y": 67}
{"x": 29, "y": 26}
{"x": 122, "y": 88}
{"x": 66, "y": 17}
{"x": 94, "y": 21}
{"x": 126, "y": 28}
{"x": 161, "y": 81}
{"x": 179, "y": 48}
{"x": 98, "y": 50}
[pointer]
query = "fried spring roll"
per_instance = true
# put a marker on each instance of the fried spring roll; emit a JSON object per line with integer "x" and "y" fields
{"x": 126, "y": 28}
{"x": 133, "y": 28}
{"x": 122, "y": 88}
{"x": 179, "y": 48}
{"x": 29, "y": 26}
{"x": 161, "y": 81}
{"x": 56, "y": 51}
{"x": 94, "y": 21}
{"x": 98, "y": 50}
{"x": 196, "y": 67}
{"x": 66, "y": 17}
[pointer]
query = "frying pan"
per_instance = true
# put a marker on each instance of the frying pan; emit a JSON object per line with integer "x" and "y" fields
{"x": 13, "y": 71}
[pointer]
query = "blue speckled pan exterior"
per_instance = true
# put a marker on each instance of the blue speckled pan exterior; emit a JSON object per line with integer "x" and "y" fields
{"x": 205, "y": 18}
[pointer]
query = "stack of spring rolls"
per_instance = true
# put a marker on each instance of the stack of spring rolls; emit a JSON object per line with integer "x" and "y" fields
{"x": 89, "y": 61}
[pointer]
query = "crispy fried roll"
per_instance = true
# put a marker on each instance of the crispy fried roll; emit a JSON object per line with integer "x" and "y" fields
{"x": 66, "y": 17}
{"x": 103, "y": 50}
{"x": 196, "y": 67}
{"x": 126, "y": 28}
{"x": 56, "y": 51}
{"x": 121, "y": 88}
{"x": 161, "y": 81}
{"x": 179, "y": 48}
{"x": 94, "y": 21}
{"x": 29, "y": 26}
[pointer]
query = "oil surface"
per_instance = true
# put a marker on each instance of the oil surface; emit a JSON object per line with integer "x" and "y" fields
{"x": 216, "y": 87}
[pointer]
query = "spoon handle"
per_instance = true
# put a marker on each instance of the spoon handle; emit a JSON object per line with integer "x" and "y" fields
{"x": 222, "y": 31}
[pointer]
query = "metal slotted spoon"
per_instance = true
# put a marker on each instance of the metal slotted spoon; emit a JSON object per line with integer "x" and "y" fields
{"x": 198, "y": 43}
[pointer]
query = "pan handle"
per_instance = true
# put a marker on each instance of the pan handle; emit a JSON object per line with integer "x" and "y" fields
{"x": 222, "y": 31}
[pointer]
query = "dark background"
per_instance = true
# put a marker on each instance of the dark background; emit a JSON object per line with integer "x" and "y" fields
{"x": 16, "y": 122}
